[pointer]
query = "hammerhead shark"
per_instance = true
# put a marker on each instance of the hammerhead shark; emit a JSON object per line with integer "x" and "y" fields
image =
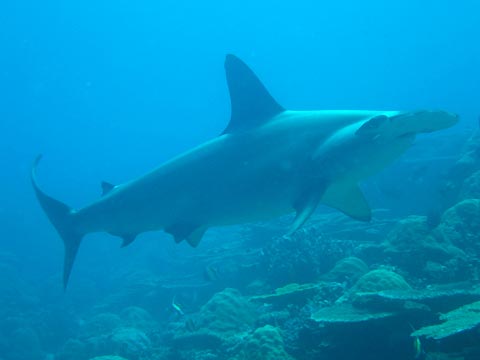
{"x": 268, "y": 162}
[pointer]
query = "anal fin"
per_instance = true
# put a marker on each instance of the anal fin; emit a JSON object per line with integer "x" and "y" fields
{"x": 184, "y": 231}
{"x": 128, "y": 239}
{"x": 106, "y": 187}
{"x": 196, "y": 236}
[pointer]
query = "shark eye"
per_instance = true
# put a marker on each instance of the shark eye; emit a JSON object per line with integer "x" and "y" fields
{"x": 376, "y": 122}
{"x": 372, "y": 126}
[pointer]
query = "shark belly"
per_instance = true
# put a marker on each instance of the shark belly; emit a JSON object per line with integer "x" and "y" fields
{"x": 225, "y": 182}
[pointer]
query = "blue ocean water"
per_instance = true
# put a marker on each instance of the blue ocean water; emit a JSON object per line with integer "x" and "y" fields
{"x": 108, "y": 90}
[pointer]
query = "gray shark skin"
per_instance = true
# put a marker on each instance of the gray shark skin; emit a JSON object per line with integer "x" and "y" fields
{"x": 268, "y": 162}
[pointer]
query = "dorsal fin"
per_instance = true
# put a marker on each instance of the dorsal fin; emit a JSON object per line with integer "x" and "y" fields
{"x": 128, "y": 239}
{"x": 106, "y": 187}
{"x": 252, "y": 105}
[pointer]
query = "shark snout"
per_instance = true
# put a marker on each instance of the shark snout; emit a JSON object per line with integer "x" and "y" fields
{"x": 422, "y": 122}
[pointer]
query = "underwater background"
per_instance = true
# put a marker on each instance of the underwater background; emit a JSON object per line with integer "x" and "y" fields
{"x": 108, "y": 90}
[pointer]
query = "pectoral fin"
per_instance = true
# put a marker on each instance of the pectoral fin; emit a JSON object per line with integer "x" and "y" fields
{"x": 349, "y": 199}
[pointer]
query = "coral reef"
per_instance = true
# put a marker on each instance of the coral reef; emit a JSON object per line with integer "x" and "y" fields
{"x": 460, "y": 225}
{"x": 434, "y": 298}
{"x": 227, "y": 312}
{"x": 347, "y": 270}
{"x": 467, "y": 164}
{"x": 25, "y": 344}
{"x": 264, "y": 343}
{"x": 348, "y": 314}
{"x": 291, "y": 294}
{"x": 136, "y": 317}
{"x": 220, "y": 324}
{"x": 471, "y": 187}
{"x": 379, "y": 280}
{"x": 100, "y": 324}
{"x": 303, "y": 257}
{"x": 73, "y": 349}
{"x": 130, "y": 343}
{"x": 415, "y": 248}
{"x": 461, "y": 320}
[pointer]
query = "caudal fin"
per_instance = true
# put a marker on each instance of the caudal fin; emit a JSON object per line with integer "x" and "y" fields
{"x": 62, "y": 218}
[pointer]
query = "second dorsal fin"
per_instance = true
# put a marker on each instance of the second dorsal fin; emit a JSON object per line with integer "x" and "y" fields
{"x": 252, "y": 104}
{"x": 106, "y": 187}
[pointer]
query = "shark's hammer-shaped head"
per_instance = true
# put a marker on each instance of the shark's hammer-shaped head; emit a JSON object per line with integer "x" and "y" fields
{"x": 393, "y": 125}
{"x": 367, "y": 145}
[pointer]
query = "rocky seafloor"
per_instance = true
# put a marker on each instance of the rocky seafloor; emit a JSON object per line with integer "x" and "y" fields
{"x": 396, "y": 288}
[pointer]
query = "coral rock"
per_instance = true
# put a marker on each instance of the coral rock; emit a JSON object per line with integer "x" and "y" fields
{"x": 348, "y": 270}
{"x": 265, "y": 343}
{"x": 380, "y": 279}
{"x": 460, "y": 225}
{"x": 463, "y": 319}
{"x": 130, "y": 342}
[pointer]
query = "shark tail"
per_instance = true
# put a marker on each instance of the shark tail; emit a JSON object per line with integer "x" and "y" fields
{"x": 62, "y": 218}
